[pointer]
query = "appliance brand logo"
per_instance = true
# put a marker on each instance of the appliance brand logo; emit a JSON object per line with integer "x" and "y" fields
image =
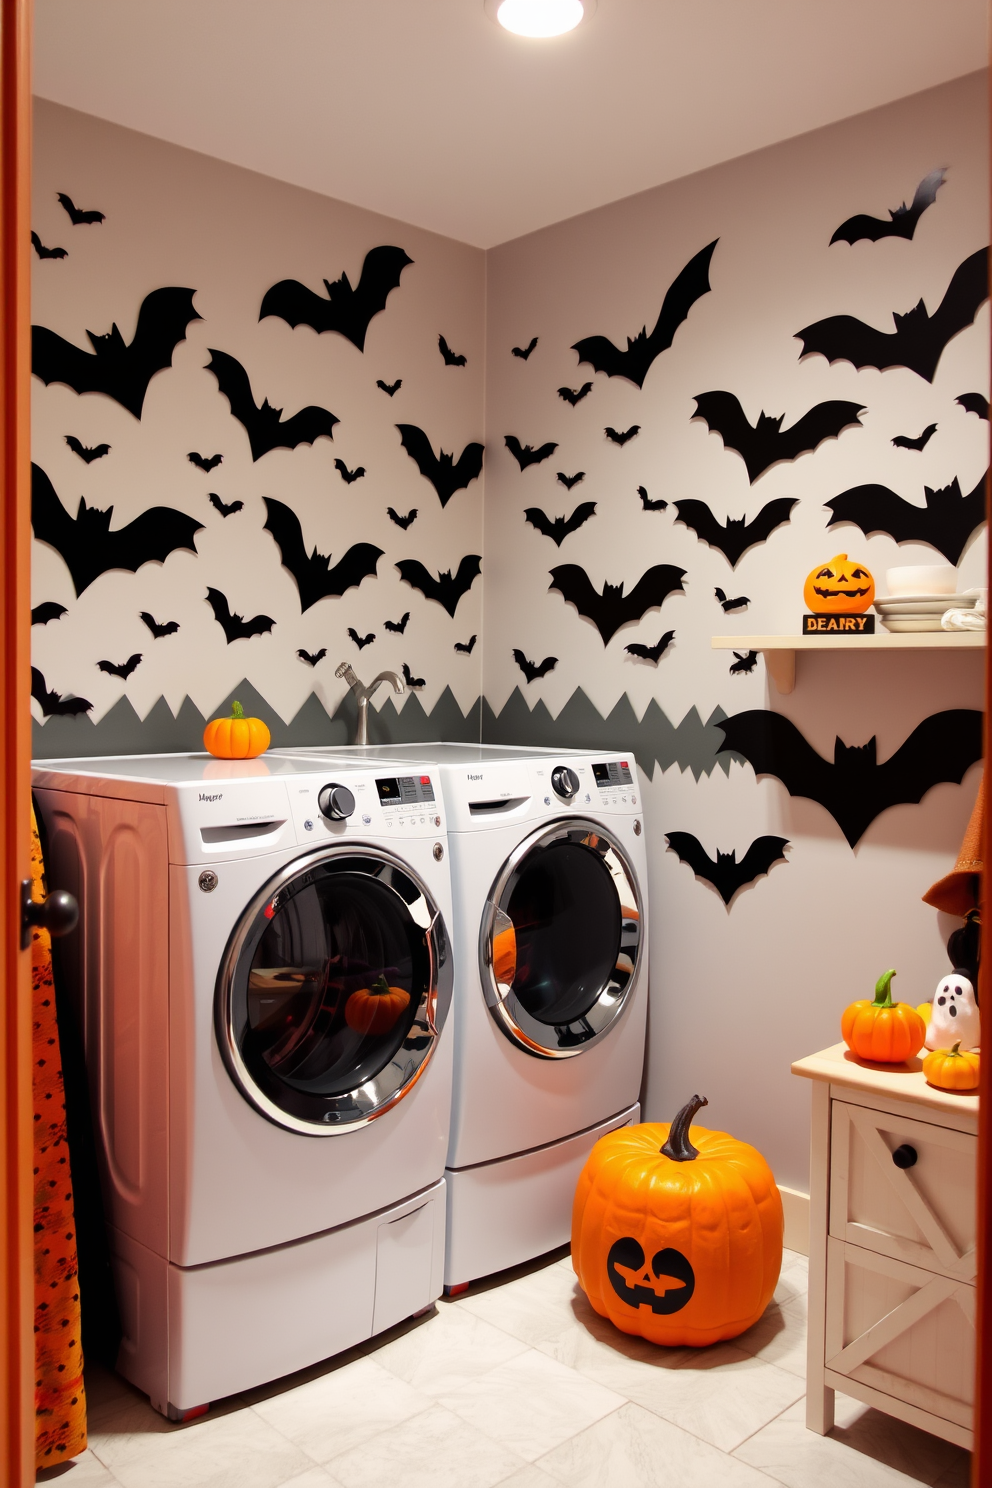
{"x": 473, "y": 777}
{"x": 204, "y": 797}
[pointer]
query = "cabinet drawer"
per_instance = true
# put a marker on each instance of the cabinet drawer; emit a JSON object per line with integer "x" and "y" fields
{"x": 923, "y": 1214}
{"x": 901, "y": 1330}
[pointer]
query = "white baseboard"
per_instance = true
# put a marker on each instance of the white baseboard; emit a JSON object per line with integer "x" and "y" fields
{"x": 796, "y": 1207}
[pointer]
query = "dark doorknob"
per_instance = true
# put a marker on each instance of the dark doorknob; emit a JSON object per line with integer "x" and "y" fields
{"x": 58, "y": 914}
{"x": 904, "y": 1156}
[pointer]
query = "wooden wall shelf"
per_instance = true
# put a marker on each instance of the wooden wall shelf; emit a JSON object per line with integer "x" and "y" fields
{"x": 779, "y": 651}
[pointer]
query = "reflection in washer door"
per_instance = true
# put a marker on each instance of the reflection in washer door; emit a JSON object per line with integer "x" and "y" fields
{"x": 328, "y": 1001}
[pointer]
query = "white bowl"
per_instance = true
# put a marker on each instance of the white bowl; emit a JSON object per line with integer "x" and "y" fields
{"x": 925, "y": 578}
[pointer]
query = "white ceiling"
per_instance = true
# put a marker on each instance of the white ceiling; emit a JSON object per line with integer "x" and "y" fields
{"x": 427, "y": 111}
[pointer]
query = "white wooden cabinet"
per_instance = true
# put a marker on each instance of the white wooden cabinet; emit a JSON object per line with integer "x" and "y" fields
{"x": 892, "y": 1244}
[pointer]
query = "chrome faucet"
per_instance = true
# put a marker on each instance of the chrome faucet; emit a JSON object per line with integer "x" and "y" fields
{"x": 363, "y": 693}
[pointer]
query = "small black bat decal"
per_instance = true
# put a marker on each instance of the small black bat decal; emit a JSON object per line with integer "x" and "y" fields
{"x": 902, "y": 220}
{"x": 158, "y": 631}
{"x": 43, "y": 613}
{"x": 236, "y": 627}
{"x": 120, "y": 370}
{"x": 635, "y": 363}
{"x": 534, "y": 672}
{"x": 446, "y": 474}
{"x": 315, "y": 578}
{"x": 403, "y": 522}
{"x": 124, "y": 669}
{"x": 766, "y": 443}
{"x": 202, "y": 463}
{"x": 575, "y": 395}
{"x": 738, "y": 534}
{"x": 344, "y": 310}
{"x": 568, "y": 481}
{"x": 746, "y": 662}
{"x": 389, "y": 388}
{"x": 526, "y": 454}
{"x": 620, "y": 436}
{"x": 903, "y": 441}
{"x": 919, "y": 338}
{"x": 726, "y": 874}
{"x": 975, "y": 403}
{"x": 445, "y": 590}
{"x": 410, "y": 680}
{"x": 651, "y": 653}
{"x": 53, "y": 703}
{"x": 312, "y": 657}
{"x": 44, "y": 252}
{"x": 89, "y": 453}
{"x": 79, "y": 219}
{"x": 397, "y": 626}
{"x": 558, "y": 528}
{"x": 523, "y": 352}
{"x": 264, "y": 425}
{"x": 611, "y": 609}
{"x": 646, "y": 502}
{"x": 854, "y": 787}
{"x": 348, "y": 476}
{"x": 946, "y": 522}
{"x": 740, "y": 603}
{"x": 466, "y": 647}
{"x": 451, "y": 358}
{"x": 360, "y": 641}
{"x": 226, "y": 508}
{"x": 88, "y": 546}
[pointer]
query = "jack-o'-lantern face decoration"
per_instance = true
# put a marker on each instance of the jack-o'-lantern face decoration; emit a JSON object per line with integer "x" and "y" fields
{"x": 840, "y": 587}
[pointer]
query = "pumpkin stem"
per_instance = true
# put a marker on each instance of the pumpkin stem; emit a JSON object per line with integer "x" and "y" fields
{"x": 678, "y": 1147}
{"x": 236, "y": 710}
{"x": 379, "y": 986}
{"x": 956, "y": 1047}
{"x": 883, "y": 989}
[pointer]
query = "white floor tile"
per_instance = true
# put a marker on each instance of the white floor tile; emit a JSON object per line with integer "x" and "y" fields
{"x": 84, "y": 1471}
{"x": 127, "y": 1427}
{"x": 342, "y": 1409}
{"x": 234, "y": 1451}
{"x": 535, "y": 1308}
{"x": 779, "y": 1337}
{"x": 446, "y": 1350}
{"x": 314, "y": 1477}
{"x": 529, "y": 1477}
{"x": 435, "y": 1449}
{"x": 721, "y": 1394}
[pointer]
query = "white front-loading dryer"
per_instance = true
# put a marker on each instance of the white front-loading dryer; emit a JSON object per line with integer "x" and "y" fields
{"x": 263, "y": 972}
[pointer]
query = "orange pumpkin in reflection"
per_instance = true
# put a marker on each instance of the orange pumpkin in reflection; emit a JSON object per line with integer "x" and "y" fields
{"x": 375, "y": 1009}
{"x": 505, "y": 956}
{"x": 840, "y": 587}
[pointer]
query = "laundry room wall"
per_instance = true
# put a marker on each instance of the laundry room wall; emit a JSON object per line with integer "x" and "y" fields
{"x": 737, "y": 993}
{"x": 177, "y": 218}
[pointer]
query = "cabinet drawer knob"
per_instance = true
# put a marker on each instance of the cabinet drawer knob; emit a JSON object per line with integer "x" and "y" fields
{"x": 904, "y": 1156}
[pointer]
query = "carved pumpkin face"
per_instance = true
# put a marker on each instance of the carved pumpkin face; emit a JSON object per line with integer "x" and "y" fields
{"x": 840, "y": 587}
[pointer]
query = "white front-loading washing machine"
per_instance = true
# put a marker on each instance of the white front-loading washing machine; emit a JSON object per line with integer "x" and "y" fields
{"x": 549, "y": 882}
{"x": 263, "y": 975}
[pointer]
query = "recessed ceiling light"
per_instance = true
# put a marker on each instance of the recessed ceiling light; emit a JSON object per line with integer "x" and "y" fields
{"x": 540, "y": 17}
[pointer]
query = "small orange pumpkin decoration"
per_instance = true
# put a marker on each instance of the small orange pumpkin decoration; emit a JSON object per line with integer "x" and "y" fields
{"x": 839, "y": 587}
{"x": 375, "y": 1009}
{"x": 952, "y": 1069}
{"x": 676, "y": 1243}
{"x": 883, "y": 1031}
{"x": 236, "y": 737}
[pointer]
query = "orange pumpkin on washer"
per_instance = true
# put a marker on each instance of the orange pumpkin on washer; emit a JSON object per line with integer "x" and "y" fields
{"x": 840, "y": 587}
{"x": 375, "y": 1009}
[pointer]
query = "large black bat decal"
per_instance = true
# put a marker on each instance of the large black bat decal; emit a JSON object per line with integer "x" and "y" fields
{"x": 766, "y": 443}
{"x": 558, "y": 528}
{"x": 88, "y": 546}
{"x": 726, "y": 874}
{"x": 265, "y": 426}
{"x": 315, "y": 578}
{"x": 446, "y": 590}
{"x": 735, "y": 537}
{"x": 345, "y": 310}
{"x": 902, "y": 220}
{"x": 855, "y": 788}
{"x": 611, "y": 609}
{"x": 946, "y": 522}
{"x": 446, "y": 474}
{"x": 919, "y": 338}
{"x": 120, "y": 370}
{"x": 635, "y": 363}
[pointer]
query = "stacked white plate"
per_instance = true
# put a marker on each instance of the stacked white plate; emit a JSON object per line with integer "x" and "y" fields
{"x": 916, "y": 612}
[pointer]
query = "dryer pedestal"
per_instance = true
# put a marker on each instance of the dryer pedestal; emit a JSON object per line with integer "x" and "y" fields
{"x": 503, "y": 1213}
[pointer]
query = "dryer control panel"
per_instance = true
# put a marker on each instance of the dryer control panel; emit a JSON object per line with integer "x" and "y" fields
{"x": 583, "y": 783}
{"x": 352, "y": 803}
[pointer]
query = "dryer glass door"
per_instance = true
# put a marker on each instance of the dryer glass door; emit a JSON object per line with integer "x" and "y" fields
{"x": 333, "y": 991}
{"x": 560, "y": 939}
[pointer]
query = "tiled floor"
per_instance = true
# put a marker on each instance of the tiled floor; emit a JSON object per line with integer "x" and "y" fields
{"x": 520, "y": 1383}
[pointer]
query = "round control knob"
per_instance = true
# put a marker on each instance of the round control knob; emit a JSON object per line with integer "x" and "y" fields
{"x": 564, "y": 782}
{"x": 336, "y": 802}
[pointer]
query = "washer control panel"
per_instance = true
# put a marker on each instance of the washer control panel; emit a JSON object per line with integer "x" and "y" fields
{"x": 408, "y": 802}
{"x": 586, "y": 783}
{"x": 352, "y": 803}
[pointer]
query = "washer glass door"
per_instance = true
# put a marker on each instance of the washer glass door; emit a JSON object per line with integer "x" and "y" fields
{"x": 333, "y": 991}
{"x": 560, "y": 939}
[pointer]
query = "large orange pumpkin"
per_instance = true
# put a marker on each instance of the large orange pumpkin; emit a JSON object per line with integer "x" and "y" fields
{"x": 675, "y": 1242}
{"x": 839, "y": 587}
{"x": 236, "y": 737}
{"x": 375, "y": 1009}
{"x": 883, "y": 1031}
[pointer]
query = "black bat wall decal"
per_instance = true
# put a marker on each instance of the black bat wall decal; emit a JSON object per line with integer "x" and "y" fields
{"x": 612, "y": 609}
{"x": 123, "y": 669}
{"x": 532, "y": 671}
{"x": 312, "y": 657}
{"x": 635, "y": 363}
{"x": 360, "y": 641}
{"x": 53, "y": 704}
{"x": 120, "y": 370}
{"x": 651, "y": 653}
{"x": 202, "y": 463}
{"x": 226, "y": 508}
{"x": 738, "y": 534}
{"x": 236, "y": 627}
{"x": 349, "y": 476}
{"x": 451, "y": 358}
{"x": 946, "y": 522}
{"x": 620, "y": 436}
{"x": 575, "y": 395}
{"x": 445, "y": 590}
{"x": 49, "y": 610}
{"x": 86, "y": 543}
{"x": 558, "y": 528}
{"x": 975, "y": 403}
{"x": 445, "y": 474}
{"x": 264, "y": 425}
{"x": 903, "y": 441}
{"x": 766, "y": 443}
{"x": 44, "y": 252}
{"x": 568, "y": 481}
{"x": 523, "y": 352}
{"x": 646, "y": 502}
{"x": 525, "y": 454}
{"x": 403, "y": 522}
{"x": 466, "y": 647}
{"x": 389, "y": 388}
{"x": 745, "y": 663}
{"x": 726, "y": 874}
{"x": 902, "y": 220}
{"x": 919, "y": 338}
{"x": 315, "y": 578}
{"x": 89, "y": 453}
{"x": 345, "y": 310}
{"x": 409, "y": 679}
{"x": 79, "y": 219}
{"x": 740, "y": 603}
{"x": 158, "y": 631}
{"x": 397, "y": 626}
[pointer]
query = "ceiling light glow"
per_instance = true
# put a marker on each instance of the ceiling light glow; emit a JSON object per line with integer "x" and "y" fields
{"x": 540, "y": 17}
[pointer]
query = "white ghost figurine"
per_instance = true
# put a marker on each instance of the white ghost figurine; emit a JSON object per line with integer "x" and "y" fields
{"x": 955, "y": 1015}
